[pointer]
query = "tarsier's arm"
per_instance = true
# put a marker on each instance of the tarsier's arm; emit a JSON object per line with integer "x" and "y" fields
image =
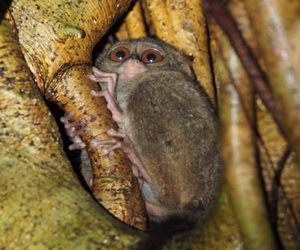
{"x": 122, "y": 141}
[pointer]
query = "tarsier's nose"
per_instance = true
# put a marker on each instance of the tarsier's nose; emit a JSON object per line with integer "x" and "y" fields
{"x": 131, "y": 68}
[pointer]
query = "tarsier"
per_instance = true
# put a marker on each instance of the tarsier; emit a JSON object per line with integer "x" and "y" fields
{"x": 167, "y": 126}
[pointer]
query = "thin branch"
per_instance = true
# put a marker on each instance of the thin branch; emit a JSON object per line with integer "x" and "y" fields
{"x": 276, "y": 184}
{"x": 216, "y": 9}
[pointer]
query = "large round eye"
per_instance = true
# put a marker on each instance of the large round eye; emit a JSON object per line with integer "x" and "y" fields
{"x": 119, "y": 54}
{"x": 151, "y": 56}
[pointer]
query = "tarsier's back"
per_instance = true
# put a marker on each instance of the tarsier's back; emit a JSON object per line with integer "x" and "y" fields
{"x": 175, "y": 128}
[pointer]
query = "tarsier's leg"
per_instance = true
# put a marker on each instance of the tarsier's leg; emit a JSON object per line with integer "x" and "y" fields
{"x": 109, "y": 93}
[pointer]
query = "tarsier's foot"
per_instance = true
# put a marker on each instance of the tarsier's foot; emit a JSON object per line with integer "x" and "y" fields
{"x": 109, "y": 146}
{"x": 73, "y": 133}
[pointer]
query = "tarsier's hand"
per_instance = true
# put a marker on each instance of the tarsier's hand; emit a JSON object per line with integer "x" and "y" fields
{"x": 109, "y": 93}
{"x": 109, "y": 78}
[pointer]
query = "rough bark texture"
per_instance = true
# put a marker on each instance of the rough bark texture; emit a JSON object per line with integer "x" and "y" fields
{"x": 43, "y": 205}
{"x": 57, "y": 39}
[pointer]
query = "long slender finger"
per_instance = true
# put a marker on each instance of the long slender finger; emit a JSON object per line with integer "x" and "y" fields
{"x": 135, "y": 170}
{"x": 137, "y": 162}
{"x": 97, "y": 93}
{"x": 97, "y": 142}
{"x": 95, "y": 78}
{"x": 106, "y": 79}
{"x": 76, "y": 139}
{"x": 117, "y": 114}
{"x": 110, "y": 78}
{"x": 98, "y": 72}
{"x": 107, "y": 150}
{"x": 70, "y": 132}
{"x": 80, "y": 145}
{"x": 115, "y": 133}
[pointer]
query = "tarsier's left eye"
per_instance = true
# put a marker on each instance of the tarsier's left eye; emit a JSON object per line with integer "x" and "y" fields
{"x": 119, "y": 54}
{"x": 152, "y": 56}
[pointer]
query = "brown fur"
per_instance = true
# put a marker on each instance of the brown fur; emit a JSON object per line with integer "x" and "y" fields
{"x": 173, "y": 127}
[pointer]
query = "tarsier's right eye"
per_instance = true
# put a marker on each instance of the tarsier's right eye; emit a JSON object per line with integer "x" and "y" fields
{"x": 119, "y": 54}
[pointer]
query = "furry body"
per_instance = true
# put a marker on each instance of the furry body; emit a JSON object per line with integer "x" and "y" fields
{"x": 171, "y": 123}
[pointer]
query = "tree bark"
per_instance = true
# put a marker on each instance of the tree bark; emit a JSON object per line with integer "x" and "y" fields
{"x": 57, "y": 39}
{"x": 43, "y": 205}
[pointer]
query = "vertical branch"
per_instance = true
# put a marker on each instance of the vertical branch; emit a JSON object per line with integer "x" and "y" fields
{"x": 277, "y": 38}
{"x": 242, "y": 177}
{"x": 159, "y": 19}
{"x": 57, "y": 45}
{"x": 42, "y": 205}
{"x": 133, "y": 25}
{"x": 239, "y": 146}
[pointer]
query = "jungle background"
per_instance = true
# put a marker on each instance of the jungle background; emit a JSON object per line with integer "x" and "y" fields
{"x": 245, "y": 55}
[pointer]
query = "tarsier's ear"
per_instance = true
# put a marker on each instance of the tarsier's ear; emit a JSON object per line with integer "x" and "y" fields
{"x": 186, "y": 64}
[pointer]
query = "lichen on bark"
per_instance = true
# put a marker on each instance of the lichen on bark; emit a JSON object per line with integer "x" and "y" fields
{"x": 57, "y": 44}
{"x": 43, "y": 205}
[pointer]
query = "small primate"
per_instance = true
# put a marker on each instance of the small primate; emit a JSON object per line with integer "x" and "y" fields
{"x": 167, "y": 126}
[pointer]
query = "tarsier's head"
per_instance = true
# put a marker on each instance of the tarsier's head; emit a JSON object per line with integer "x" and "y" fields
{"x": 133, "y": 57}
